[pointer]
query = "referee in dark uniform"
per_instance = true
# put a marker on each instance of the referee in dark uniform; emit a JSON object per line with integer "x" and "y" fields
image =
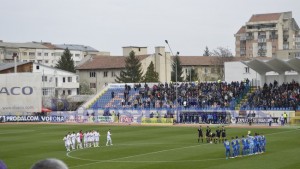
{"x": 218, "y": 131}
{"x": 208, "y": 130}
{"x": 200, "y": 134}
{"x": 223, "y": 132}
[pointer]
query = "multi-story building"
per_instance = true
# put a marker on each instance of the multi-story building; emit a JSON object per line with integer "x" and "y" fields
{"x": 56, "y": 83}
{"x": 268, "y": 35}
{"x": 44, "y": 52}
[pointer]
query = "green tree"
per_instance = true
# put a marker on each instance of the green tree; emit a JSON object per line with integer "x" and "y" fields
{"x": 84, "y": 89}
{"x": 176, "y": 64}
{"x": 66, "y": 62}
{"x": 151, "y": 75}
{"x": 133, "y": 70}
{"x": 206, "y": 52}
{"x": 192, "y": 75}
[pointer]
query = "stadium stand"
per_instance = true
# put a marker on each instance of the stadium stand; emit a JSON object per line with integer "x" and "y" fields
{"x": 207, "y": 95}
{"x": 274, "y": 97}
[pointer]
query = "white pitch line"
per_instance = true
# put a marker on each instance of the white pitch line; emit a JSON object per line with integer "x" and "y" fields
{"x": 114, "y": 160}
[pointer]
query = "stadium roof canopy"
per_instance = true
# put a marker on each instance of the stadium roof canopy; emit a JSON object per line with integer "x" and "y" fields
{"x": 262, "y": 66}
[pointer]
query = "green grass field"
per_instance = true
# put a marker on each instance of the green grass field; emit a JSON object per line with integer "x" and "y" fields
{"x": 147, "y": 147}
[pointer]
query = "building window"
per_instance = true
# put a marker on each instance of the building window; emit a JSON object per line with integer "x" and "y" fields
{"x": 92, "y": 85}
{"x": 31, "y": 54}
{"x": 105, "y": 74}
{"x": 46, "y": 61}
{"x": 39, "y": 61}
{"x": 247, "y": 70}
{"x": 205, "y": 70}
{"x": 64, "y": 79}
{"x": 113, "y": 74}
{"x": 45, "y": 54}
{"x": 274, "y": 47}
{"x": 44, "y": 78}
{"x": 64, "y": 92}
{"x": 39, "y": 54}
{"x": 37, "y": 67}
{"x": 69, "y": 79}
{"x": 52, "y": 54}
{"x": 77, "y": 55}
{"x": 69, "y": 92}
{"x": 45, "y": 92}
{"x": 24, "y": 60}
{"x": 92, "y": 74}
{"x": 24, "y": 53}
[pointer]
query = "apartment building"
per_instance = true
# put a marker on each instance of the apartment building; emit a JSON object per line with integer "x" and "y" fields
{"x": 269, "y": 35}
{"x": 44, "y": 53}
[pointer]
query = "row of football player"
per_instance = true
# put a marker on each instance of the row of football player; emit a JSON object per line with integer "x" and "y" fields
{"x": 251, "y": 145}
{"x": 89, "y": 139}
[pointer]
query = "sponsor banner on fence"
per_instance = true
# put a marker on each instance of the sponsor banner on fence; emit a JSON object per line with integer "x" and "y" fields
{"x": 34, "y": 118}
{"x": 157, "y": 120}
{"x": 105, "y": 119}
{"x": 20, "y": 92}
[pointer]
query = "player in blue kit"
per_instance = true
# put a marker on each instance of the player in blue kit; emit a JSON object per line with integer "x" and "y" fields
{"x": 251, "y": 144}
{"x": 245, "y": 146}
{"x": 237, "y": 146}
{"x": 233, "y": 145}
{"x": 227, "y": 148}
{"x": 263, "y": 146}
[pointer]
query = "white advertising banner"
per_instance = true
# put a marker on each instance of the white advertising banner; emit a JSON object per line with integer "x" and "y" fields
{"x": 20, "y": 92}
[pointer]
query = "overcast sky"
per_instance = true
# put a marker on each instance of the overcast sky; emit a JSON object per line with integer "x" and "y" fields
{"x": 108, "y": 25}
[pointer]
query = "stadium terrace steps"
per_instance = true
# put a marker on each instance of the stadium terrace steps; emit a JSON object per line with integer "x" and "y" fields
{"x": 244, "y": 98}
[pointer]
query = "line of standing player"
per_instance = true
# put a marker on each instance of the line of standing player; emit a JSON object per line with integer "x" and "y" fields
{"x": 211, "y": 137}
{"x": 81, "y": 140}
{"x": 251, "y": 145}
{"x": 89, "y": 139}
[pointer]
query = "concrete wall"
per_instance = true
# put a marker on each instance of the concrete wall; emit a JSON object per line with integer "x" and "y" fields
{"x": 137, "y": 50}
{"x": 235, "y": 71}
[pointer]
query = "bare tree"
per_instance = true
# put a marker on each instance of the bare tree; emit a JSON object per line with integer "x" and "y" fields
{"x": 220, "y": 56}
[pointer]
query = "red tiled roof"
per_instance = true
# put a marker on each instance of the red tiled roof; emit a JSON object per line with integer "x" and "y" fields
{"x": 106, "y": 62}
{"x": 242, "y": 30}
{"x": 265, "y": 17}
{"x": 50, "y": 46}
{"x": 205, "y": 60}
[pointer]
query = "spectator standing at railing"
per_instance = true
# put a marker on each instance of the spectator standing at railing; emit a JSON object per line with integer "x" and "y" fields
{"x": 285, "y": 118}
{"x": 281, "y": 119}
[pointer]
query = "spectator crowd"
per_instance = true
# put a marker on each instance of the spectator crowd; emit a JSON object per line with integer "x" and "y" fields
{"x": 275, "y": 96}
{"x": 198, "y": 95}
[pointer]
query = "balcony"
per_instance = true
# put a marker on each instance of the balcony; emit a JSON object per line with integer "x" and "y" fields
{"x": 69, "y": 85}
{"x": 249, "y": 37}
{"x": 262, "y": 40}
{"x": 242, "y": 38}
{"x": 273, "y": 37}
{"x": 285, "y": 46}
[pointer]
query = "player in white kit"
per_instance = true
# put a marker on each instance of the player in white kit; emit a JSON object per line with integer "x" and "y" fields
{"x": 108, "y": 138}
{"x": 73, "y": 138}
{"x": 78, "y": 141}
{"x": 85, "y": 139}
{"x": 67, "y": 142}
{"x": 97, "y": 137}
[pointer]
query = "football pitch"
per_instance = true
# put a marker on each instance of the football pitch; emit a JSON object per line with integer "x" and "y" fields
{"x": 145, "y": 147}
